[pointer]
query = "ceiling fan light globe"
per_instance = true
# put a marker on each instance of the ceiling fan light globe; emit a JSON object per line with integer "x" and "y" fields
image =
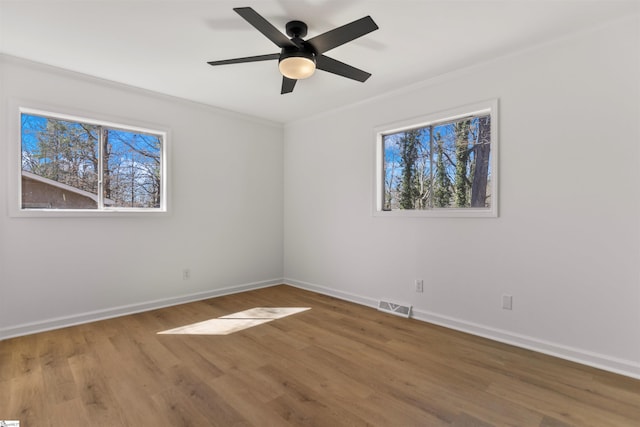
{"x": 297, "y": 67}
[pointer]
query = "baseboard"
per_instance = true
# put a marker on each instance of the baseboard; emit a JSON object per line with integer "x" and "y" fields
{"x": 600, "y": 361}
{"x": 346, "y": 296}
{"x": 92, "y": 316}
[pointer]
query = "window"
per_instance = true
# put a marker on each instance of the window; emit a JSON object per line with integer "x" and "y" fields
{"x": 72, "y": 164}
{"x": 441, "y": 165}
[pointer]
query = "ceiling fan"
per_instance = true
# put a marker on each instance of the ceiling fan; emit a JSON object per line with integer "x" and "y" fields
{"x": 299, "y": 58}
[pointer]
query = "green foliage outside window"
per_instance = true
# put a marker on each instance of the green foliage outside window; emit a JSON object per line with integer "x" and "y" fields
{"x": 443, "y": 165}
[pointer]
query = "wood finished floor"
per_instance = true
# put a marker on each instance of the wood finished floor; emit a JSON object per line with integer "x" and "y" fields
{"x": 338, "y": 364}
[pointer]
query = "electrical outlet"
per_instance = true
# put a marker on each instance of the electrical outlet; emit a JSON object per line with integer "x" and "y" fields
{"x": 419, "y": 285}
{"x": 186, "y": 274}
{"x": 507, "y": 302}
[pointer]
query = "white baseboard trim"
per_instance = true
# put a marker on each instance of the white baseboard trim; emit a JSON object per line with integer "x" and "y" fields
{"x": 600, "y": 361}
{"x": 358, "y": 299}
{"x": 93, "y": 316}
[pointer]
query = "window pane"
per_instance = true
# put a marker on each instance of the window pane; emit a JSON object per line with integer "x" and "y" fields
{"x": 481, "y": 163}
{"x": 407, "y": 170}
{"x": 445, "y": 165}
{"x": 392, "y": 172}
{"x": 132, "y": 169}
{"x": 74, "y": 165}
{"x": 59, "y": 164}
{"x": 462, "y": 154}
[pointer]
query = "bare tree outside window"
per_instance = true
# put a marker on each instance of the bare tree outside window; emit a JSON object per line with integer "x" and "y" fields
{"x": 133, "y": 166}
{"x": 74, "y": 165}
{"x": 442, "y": 165}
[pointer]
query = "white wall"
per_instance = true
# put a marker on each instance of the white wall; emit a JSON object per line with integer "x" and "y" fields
{"x": 566, "y": 244}
{"x": 225, "y": 223}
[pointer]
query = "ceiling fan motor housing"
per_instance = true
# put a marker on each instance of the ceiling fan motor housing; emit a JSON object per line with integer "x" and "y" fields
{"x": 296, "y": 29}
{"x": 303, "y": 51}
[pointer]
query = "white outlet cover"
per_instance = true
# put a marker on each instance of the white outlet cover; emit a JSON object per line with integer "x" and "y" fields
{"x": 507, "y": 302}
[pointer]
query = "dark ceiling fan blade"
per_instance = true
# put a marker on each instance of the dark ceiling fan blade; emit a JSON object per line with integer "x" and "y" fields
{"x": 341, "y": 35}
{"x": 246, "y": 59}
{"x": 334, "y": 66}
{"x": 264, "y": 26}
{"x": 287, "y": 85}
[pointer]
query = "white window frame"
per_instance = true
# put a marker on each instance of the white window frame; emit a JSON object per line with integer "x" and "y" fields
{"x": 16, "y": 110}
{"x": 489, "y": 106}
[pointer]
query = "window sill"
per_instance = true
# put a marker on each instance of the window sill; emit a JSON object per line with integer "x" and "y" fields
{"x": 438, "y": 213}
{"x": 78, "y": 213}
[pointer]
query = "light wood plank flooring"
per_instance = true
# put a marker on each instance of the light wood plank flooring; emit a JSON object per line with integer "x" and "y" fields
{"x": 338, "y": 364}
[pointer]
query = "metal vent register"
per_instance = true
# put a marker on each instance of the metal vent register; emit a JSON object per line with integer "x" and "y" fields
{"x": 394, "y": 308}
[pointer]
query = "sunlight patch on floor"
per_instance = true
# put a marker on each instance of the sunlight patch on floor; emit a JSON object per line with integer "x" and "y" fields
{"x": 225, "y": 325}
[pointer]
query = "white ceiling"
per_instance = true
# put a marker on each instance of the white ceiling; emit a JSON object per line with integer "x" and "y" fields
{"x": 164, "y": 45}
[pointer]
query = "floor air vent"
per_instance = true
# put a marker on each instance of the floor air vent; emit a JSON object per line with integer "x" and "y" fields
{"x": 393, "y": 308}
